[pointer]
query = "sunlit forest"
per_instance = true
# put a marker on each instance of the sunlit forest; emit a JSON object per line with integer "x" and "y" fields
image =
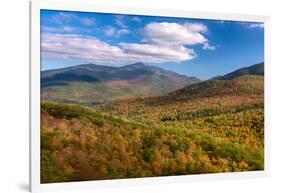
{"x": 213, "y": 126}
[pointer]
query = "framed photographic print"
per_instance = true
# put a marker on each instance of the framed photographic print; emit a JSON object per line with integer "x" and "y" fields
{"x": 121, "y": 96}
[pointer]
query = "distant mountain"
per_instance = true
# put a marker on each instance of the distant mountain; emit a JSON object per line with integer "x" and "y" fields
{"x": 244, "y": 91}
{"x": 91, "y": 83}
{"x": 242, "y": 85}
{"x": 257, "y": 69}
{"x": 249, "y": 85}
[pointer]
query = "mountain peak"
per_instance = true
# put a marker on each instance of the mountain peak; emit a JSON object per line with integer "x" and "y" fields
{"x": 137, "y": 64}
{"x": 87, "y": 65}
{"x": 257, "y": 69}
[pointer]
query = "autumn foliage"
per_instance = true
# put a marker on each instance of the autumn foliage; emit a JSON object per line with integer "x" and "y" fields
{"x": 211, "y": 127}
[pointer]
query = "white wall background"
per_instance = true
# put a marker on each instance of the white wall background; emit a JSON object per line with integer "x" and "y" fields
{"x": 14, "y": 96}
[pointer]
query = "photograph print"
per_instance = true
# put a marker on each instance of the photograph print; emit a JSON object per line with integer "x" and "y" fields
{"x": 131, "y": 96}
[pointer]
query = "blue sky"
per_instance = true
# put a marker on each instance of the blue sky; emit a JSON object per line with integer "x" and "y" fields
{"x": 194, "y": 47}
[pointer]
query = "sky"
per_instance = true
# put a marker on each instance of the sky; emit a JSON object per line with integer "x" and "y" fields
{"x": 193, "y": 47}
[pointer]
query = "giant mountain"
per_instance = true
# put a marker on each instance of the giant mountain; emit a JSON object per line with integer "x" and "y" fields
{"x": 91, "y": 83}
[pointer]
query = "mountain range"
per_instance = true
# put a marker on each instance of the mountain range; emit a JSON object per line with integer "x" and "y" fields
{"x": 194, "y": 127}
{"x": 91, "y": 83}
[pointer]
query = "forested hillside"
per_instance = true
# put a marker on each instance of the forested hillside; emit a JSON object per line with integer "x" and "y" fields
{"x": 214, "y": 126}
{"x": 92, "y": 84}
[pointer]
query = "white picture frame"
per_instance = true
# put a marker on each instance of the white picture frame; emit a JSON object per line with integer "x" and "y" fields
{"x": 36, "y": 6}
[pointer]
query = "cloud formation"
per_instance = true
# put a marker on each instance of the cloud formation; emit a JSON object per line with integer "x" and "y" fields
{"x": 91, "y": 49}
{"x": 113, "y": 32}
{"x": 136, "y": 19}
{"x": 256, "y": 25}
{"x": 62, "y": 29}
{"x": 88, "y": 21}
{"x": 253, "y": 25}
{"x": 109, "y": 31}
{"x": 65, "y": 17}
{"x": 161, "y": 43}
{"x": 159, "y": 54}
{"x": 207, "y": 46}
{"x": 120, "y": 21}
{"x": 122, "y": 32}
{"x": 174, "y": 34}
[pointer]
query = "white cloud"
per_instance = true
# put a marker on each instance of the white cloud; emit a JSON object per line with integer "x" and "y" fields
{"x": 256, "y": 25}
{"x": 62, "y": 17}
{"x": 91, "y": 49}
{"x": 136, "y": 19}
{"x": 174, "y": 34}
{"x": 120, "y": 21}
{"x": 62, "y": 29}
{"x": 159, "y": 54}
{"x": 65, "y": 17}
{"x": 196, "y": 27}
{"x": 207, "y": 46}
{"x": 163, "y": 42}
{"x": 113, "y": 32}
{"x": 253, "y": 24}
{"x": 76, "y": 47}
{"x": 122, "y": 32}
{"x": 88, "y": 21}
{"x": 110, "y": 31}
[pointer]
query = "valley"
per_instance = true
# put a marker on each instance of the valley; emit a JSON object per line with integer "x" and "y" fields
{"x": 144, "y": 121}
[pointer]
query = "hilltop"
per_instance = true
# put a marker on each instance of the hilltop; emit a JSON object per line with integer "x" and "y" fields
{"x": 91, "y": 83}
{"x": 257, "y": 69}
